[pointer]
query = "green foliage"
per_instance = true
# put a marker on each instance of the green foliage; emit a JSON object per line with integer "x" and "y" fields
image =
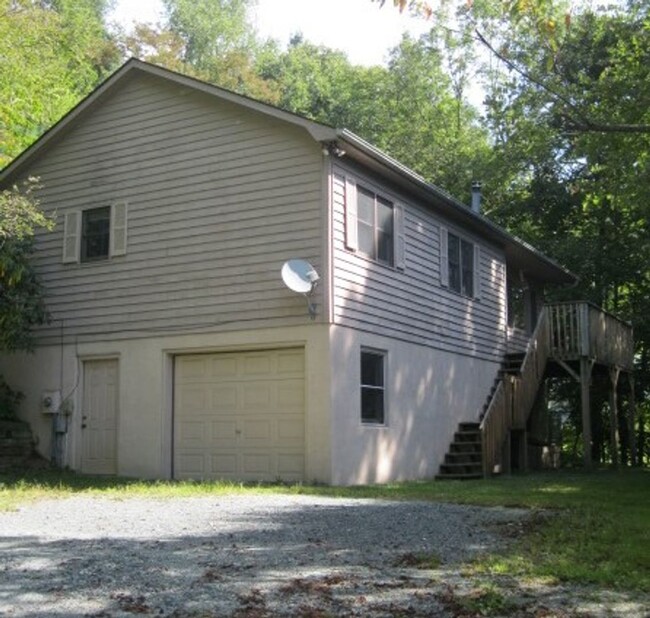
{"x": 412, "y": 110}
{"x": 9, "y": 401}
{"x": 211, "y": 40}
{"x": 51, "y": 54}
{"x": 21, "y": 296}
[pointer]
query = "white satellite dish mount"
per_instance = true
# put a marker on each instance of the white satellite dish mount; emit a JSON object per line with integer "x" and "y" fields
{"x": 301, "y": 277}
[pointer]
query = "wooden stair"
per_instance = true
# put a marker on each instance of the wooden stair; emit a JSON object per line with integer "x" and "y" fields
{"x": 464, "y": 460}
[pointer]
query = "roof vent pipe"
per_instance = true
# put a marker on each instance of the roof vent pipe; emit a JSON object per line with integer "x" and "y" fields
{"x": 476, "y": 196}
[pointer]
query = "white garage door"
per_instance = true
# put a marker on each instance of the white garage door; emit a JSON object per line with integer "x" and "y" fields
{"x": 240, "y": 416}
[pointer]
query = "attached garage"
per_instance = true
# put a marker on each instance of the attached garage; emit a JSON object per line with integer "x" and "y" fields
{"x": 240, "y": 415}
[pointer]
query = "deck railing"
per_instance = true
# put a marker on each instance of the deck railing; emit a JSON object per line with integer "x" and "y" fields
{"x": 581, "y": 329}
{"x": 514, "y": 397}
{"x": 564, "y": 331}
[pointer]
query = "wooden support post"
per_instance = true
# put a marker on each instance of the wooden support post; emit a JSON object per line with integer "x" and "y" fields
{"x": 585, "y": 379}
{"x": 631, "y": 420}
{"x": 614, "y": 373}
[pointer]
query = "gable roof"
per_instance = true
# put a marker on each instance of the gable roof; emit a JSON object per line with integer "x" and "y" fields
{"x": 352, "y": 147}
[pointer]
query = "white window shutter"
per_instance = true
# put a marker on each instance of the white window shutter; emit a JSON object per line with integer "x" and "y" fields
{"x": 444, "y": 257}
{"x": 398, "y": 236}
{"x": 71, "y": 236}
{"x": 118, "y": 228}
{"x": 351, "y": 234}
{"x": 477, "y": 271}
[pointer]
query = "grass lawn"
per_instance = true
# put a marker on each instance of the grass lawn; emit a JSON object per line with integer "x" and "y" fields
{"x": 599, "y": 530}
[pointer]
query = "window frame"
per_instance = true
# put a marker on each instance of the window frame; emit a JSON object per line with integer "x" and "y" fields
{"x": 373, "y": 388}
{"x": 378, "y": 200}
{"x": 87, "y": 236}
{"x": 396, "y": 244}
{"x": 462, "y": 264}
{"x": 75, "y": 233}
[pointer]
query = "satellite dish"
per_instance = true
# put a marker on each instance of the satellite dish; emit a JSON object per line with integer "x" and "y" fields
{"x": 301, "y": 277}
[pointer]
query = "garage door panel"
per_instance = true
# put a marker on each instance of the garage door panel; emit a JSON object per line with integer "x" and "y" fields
{"x": 192, "y": 433}
{"x": 258, "y": 397}
{"x": 222, "y": 432}
{"x": 192, "y": 369}
{"x": 256, "y": 431}
{"x": 257, "y": 466}
{"x": 224, "y": 466}
{"x": 224, "y": 397}
{"x": 222, "y": 367}
{"x": 192, "y": 397}
{"x": 291, "y": 393}
{"x": 241, "y": 414}
{"x": 290, "y": 362}
{"x": 191, "y": 465}
{"x": 257, "y": 364}
{"x": 290, "y": 431}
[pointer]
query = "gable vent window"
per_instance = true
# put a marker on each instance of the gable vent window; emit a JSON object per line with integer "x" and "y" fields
{"x": 95, "y": 234}
{"x": 373, "y": 225}
{"x": 459, "y": 264}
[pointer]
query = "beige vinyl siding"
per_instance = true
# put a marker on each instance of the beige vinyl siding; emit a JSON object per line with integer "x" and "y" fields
{"x": 411, "y": 304}
{"x": 219, "y": 197}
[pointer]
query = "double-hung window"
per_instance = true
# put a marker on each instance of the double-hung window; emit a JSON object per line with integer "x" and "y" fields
{"x": 374, "y": 225}
{"x": 95, "y": 234}
{"x": 373, "y": 388}
{"x": 459, "y": 264}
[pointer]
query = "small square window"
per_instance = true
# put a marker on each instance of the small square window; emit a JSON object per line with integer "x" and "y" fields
{"x": 373, "y": 388}
{"x": 95, "y": 233}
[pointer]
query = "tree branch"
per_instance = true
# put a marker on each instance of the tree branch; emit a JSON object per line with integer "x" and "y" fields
{"x": 578, "y": 120}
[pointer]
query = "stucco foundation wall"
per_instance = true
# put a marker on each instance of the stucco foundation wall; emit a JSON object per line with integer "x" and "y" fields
{"x": 428, "y": 392}
{"x": 146, "y": 393}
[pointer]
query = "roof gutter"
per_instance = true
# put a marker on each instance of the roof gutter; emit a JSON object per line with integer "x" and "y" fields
{"x": 456, "y": 207}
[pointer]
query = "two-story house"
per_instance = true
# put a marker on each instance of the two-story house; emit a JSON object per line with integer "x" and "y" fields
{"x": 175, "y": 349}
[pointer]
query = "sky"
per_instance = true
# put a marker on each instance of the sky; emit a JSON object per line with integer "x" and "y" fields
{"x": 360, "y": 28}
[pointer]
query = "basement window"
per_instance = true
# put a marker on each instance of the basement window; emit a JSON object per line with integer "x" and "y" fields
{"x": 373, "y": 389}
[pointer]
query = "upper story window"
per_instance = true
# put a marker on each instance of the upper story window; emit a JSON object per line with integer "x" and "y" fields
{"x": 373, "y": 225}
{"x": 95, "y": 233}
{"x": 460, "y": 264}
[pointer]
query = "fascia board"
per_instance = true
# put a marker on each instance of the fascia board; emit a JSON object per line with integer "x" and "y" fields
{"x": 516, "y": 248}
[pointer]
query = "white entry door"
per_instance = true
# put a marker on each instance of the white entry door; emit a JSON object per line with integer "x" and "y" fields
{"x": 240, "y": 415}
{"x": 99, "y": 417}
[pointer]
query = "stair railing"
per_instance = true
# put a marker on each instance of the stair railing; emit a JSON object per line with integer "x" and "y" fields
{"x": 513, "y": 399}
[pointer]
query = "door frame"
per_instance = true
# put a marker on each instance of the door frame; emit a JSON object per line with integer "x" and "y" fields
{"x": 78, "y": 417}
{"x": 169, "y": 370}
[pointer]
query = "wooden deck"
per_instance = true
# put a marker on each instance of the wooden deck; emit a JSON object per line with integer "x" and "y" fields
{"x": 582, "y": 330}
{"x": 566, "y": 333}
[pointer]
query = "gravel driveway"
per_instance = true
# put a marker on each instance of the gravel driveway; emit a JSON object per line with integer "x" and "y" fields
{"x": 270, "y": 555}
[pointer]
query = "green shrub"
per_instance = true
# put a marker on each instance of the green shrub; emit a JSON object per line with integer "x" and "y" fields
{"x": 9, "y": 401}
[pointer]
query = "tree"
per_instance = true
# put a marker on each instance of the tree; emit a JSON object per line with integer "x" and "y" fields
{"x": 568, "y": 110}
{"x": 409, "y": 109}
{"x": 211, "y": 40}
{"x": 22, "y": 304}
{"x": 51, "y": 55}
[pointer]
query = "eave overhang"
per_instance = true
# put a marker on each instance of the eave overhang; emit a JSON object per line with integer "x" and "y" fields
{"x": 520, "y": 255}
